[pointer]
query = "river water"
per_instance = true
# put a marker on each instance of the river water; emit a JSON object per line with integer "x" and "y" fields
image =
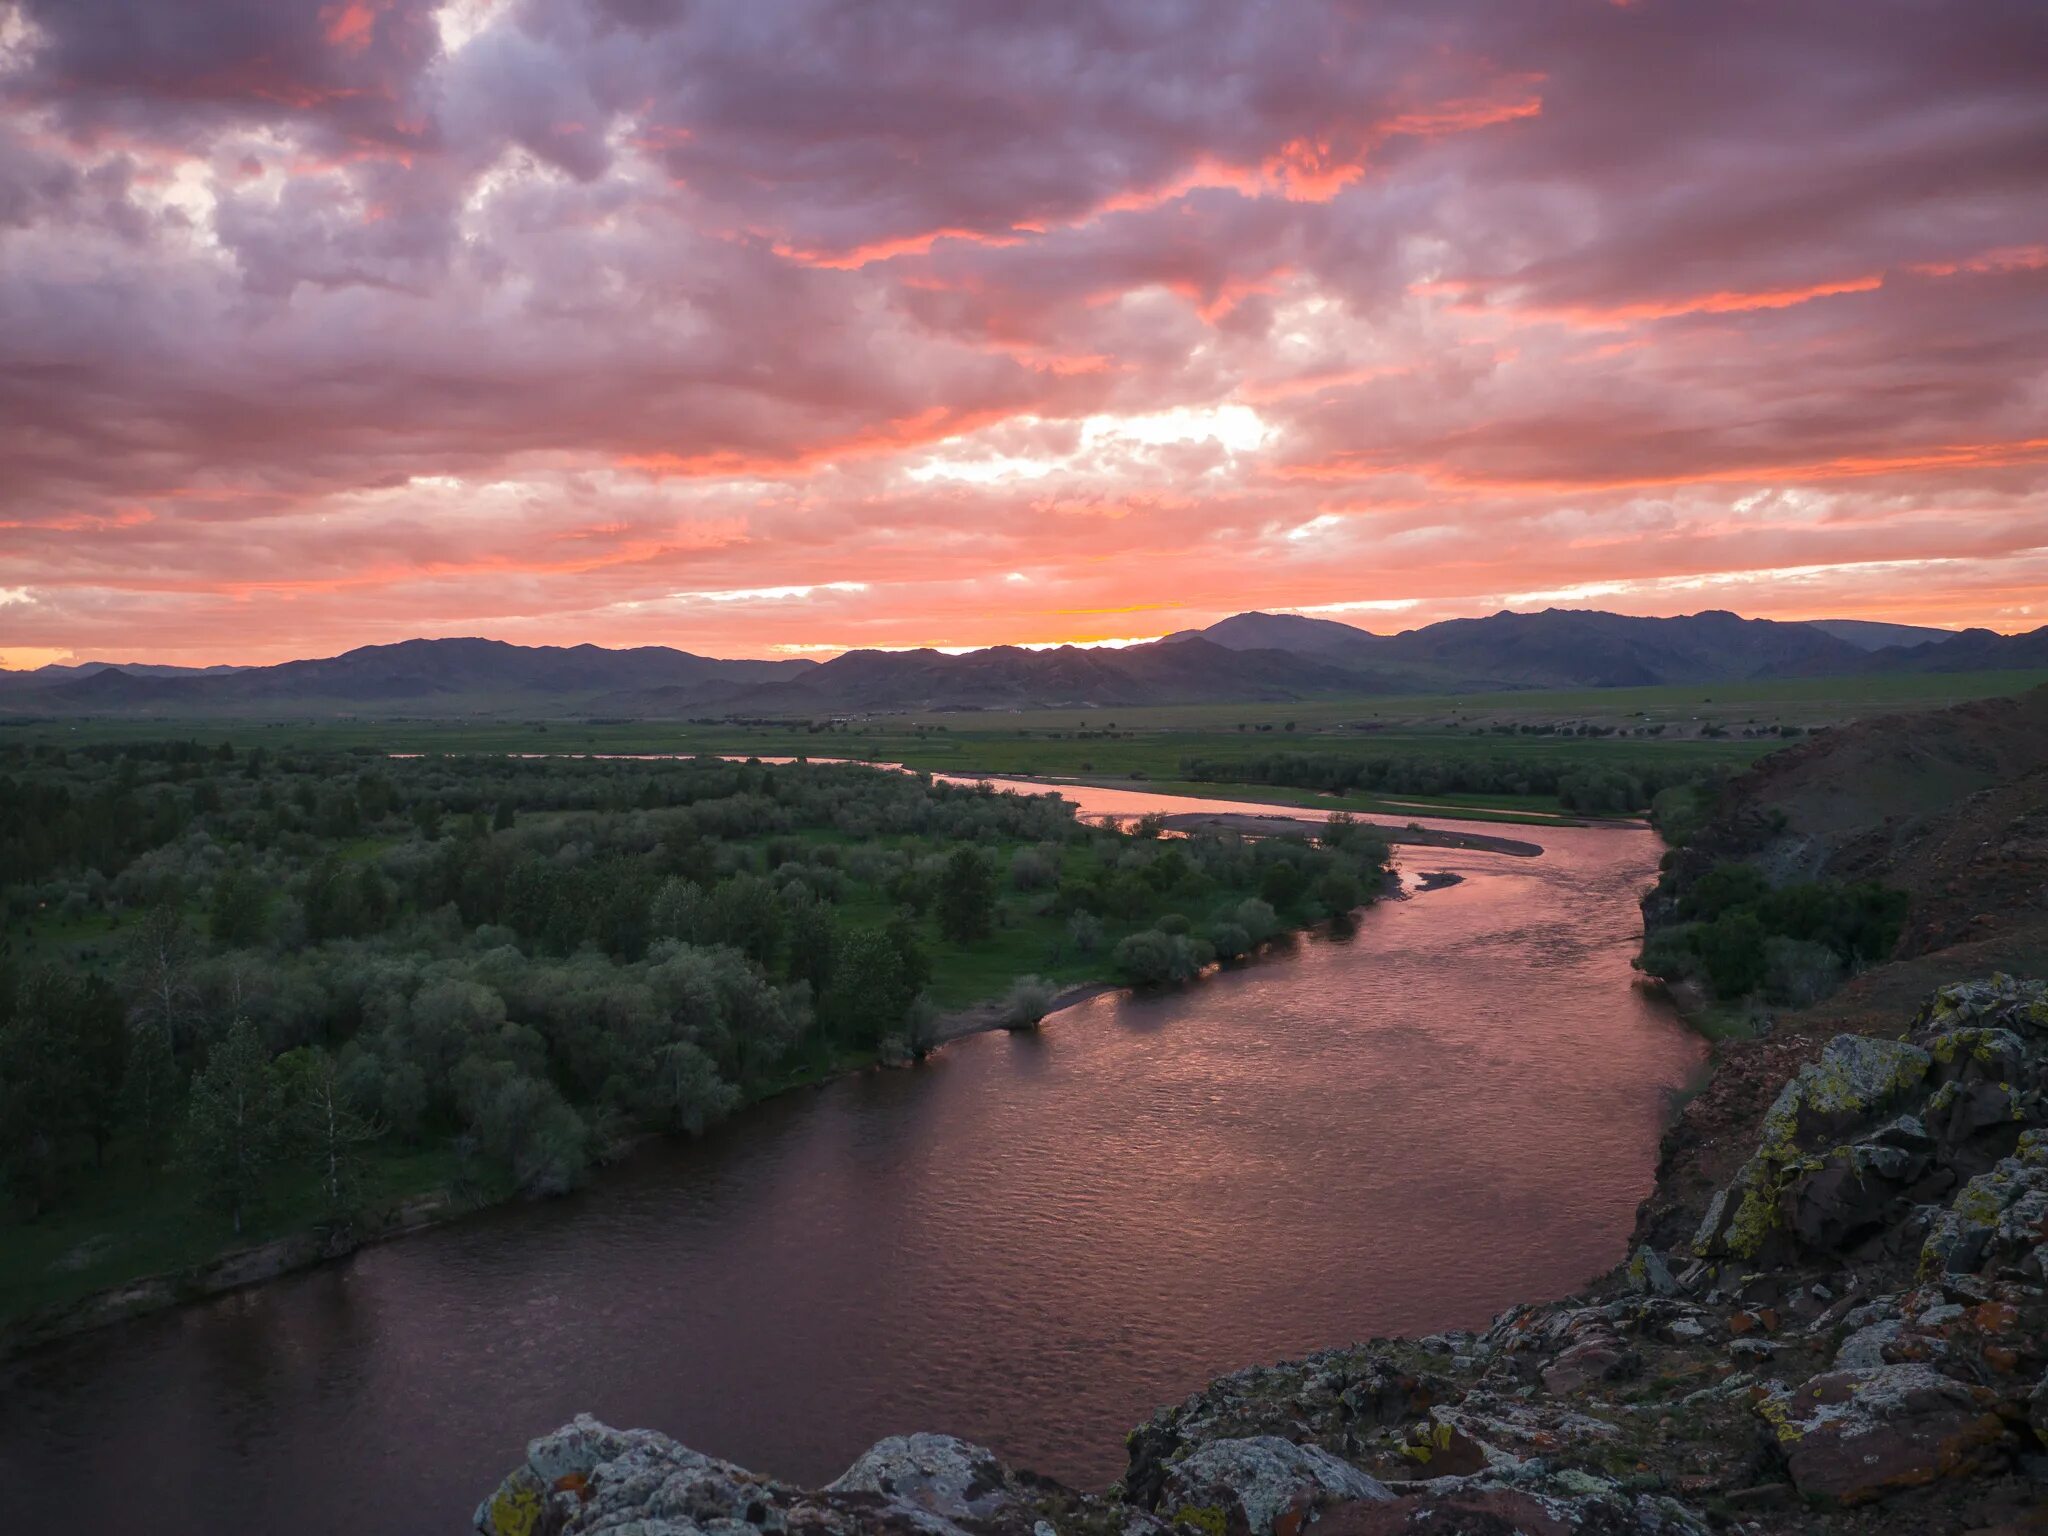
{"x": 1030, "y": 1241}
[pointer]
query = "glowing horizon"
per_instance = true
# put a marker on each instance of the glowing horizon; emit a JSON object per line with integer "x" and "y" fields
{"x": 565, "y": 321}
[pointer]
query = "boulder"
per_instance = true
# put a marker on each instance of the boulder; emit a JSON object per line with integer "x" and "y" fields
{"x": 1263, "y": 1486}
{"x": 1998, "y": 1222}
{"x": 1857, "y": 1079}
{"x": 951, "y": 1478}
{"x": 1647, "y": 1272}
{"x": 1516, "y": 1511}
{"x": 1860, "y": 1434}
{"x": 589, "y": 1477}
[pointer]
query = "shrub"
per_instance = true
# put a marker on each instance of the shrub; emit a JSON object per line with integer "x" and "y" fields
{"x": 1030, "y": 999}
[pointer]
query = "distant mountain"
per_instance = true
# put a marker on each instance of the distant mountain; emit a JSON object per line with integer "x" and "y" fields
{"x": 62, "y": 669}
{"x": 1581, "y": 648}
{"x": 1969, "y": 650}
{"x": 1286, "y": 632}
{"x": 1873, "y": 636}
{"x": 1009, "y": 677}
{"x": 1561, "y": 648}
{"x": 1251, "y": 656}
{"x": 457, "y": 676}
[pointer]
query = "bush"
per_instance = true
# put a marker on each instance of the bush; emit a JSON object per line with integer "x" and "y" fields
{"x": 1151, "y": 958}
{"x": 1731, "y": 951}
{"x": 1030, "y": 999}
{"x": 1668, "y": 954}
{"x": 1798, "y": 972}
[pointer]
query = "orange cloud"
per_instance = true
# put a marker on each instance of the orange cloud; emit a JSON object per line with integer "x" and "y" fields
{"x": 1350, "y": 466}
{"x": 1472, "y": 297}
{"x": 350, "y": 25}
{"x": 2011, "y": 258}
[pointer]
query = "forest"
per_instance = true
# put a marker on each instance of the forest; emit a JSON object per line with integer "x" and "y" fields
{"x": 1603, "y": 788}
{"x": 249, "y": 986}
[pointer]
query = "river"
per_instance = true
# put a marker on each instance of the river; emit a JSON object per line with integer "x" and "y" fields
{"x": 1030, "y": 1241}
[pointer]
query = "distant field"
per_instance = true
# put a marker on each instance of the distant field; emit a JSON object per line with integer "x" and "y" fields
{"x": 1153, "y": 743}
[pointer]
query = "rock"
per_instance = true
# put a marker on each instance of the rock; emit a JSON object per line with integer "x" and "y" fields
{"x": 1861, "y": 1434}
{"x": 1649, "y": 1273}
{"x": 1856, "y": 1080}
{"x": 1505, "y": 1511}
{"x": 1998, "y": 1221}
{"x": 588, "y": 1477}
{"x": 1864, "y": 1348}
{"x": 938, "y": 1473}
{"x": 1600, "y": 1358}
{"x": 1263, "y": 1486}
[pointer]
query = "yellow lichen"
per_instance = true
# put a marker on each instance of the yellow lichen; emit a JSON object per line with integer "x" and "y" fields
{"x": 516, "y": 1511}
{"x": 1208, "y": 1519}
{"x": 1777, "y": 1412}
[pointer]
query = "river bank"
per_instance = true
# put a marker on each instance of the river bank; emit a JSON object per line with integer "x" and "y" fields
{"x": 1277, "y": 824}
{"x": 241, "y": 1266}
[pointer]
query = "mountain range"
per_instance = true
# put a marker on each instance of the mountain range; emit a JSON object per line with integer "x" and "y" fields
{"x": 1249, "y": 656}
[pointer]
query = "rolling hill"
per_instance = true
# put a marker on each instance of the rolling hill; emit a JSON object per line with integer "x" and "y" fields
{"x": 1248, "y": 657}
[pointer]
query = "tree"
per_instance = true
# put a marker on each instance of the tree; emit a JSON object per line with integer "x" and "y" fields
{"x": 60, "y": 1072}
{"x": 161, "y": 958}
{"x": 1084, "y": 932}
{"x": 683, "y": 1090}
{"x": 1151, "y": 958}
{"x": 149, "y": 1087}
{"x": 235, "y": 1120}
{"x": 239, "y": 913}
{"x": 966, "y": 897}
{"x": 325, "y": 1128}
{"x": 1282, "y": 883}
{"x": 812, "y": 939}
{"x": 871, "y": 989}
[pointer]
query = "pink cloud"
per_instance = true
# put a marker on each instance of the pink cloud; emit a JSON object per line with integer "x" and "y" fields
{"x": 315, "y": 329}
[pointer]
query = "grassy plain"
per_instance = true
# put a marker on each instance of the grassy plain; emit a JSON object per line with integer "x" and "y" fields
{"x": 1152, "y": 743}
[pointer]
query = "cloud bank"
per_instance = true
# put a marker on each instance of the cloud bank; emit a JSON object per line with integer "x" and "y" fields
{"x": 819, "y": 323}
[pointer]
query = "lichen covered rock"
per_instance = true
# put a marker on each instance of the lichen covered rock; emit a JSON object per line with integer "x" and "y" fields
{"x": 1262, "y": 1486}
{"x": 1856, "y": 1435}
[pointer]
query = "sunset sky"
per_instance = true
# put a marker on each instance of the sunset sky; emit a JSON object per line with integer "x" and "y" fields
{"x": 776, "y": 328}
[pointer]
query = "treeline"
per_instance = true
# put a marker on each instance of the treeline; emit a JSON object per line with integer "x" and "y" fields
{"x": 1738, "y": 937}
{"x": 1578, "y": 787}
{"x": 278, "y": 966}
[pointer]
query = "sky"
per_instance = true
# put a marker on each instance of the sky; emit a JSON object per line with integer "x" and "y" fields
{"x": 771, "y": 327}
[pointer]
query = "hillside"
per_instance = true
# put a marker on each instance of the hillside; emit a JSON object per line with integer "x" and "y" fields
{"x": 1873, "y": 636}
{"x": 1249, "y": 657}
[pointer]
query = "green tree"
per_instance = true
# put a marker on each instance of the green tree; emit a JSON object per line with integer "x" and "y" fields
{"x": 1731, "y": 950}
{"x": 239, "y": 914}
{"x": 149, "y": 1087}
{"x": 325, "y": 1128}
{"x": 683, "y": 1091}
{"x": 811, "y": 939}
{"x": 967, "y": 897}
{"x": 234, "y": 1121}
{"x": 871, "y": 991}
{"x": 160, "y": 960}
{"x": 60, "y": 1072}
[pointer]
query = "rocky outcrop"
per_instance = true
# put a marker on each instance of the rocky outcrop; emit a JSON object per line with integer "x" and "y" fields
{"x": 1854, "y": 1339}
